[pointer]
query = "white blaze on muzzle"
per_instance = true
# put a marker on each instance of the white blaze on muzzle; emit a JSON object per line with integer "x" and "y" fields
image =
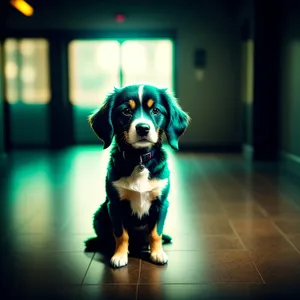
{"x": 141, "y": 141}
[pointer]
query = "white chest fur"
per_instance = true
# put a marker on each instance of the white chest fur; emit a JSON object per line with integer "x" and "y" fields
{"x": 140, "y": 190}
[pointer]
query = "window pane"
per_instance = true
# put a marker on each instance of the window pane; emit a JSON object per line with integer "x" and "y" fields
{"x": 11, "y": 70}
{"x": 94, "y": 69}
{"x": 27, "y": 70}
{"x": 148, "y": 61}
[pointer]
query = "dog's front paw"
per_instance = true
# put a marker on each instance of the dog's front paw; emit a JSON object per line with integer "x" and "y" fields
{"x": 119, "y": 260}
{"x": 159, "y": 257}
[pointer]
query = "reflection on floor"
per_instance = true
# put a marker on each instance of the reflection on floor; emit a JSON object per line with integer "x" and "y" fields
{"x": 235, "y": 229}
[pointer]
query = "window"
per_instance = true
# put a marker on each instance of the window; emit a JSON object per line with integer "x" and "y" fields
{"x": 148, "y": 61}
{"x": 27, "y": 71}
{"x": 93, "y": 70}
{"x": 96, "y": 66}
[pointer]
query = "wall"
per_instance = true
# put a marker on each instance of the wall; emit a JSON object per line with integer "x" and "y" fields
{"x": 212, "y": 103}
{"x": 290, "y": 87}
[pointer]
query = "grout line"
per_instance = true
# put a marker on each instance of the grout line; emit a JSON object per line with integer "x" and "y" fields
{"x": 285, "y": 236}
{"x": 87, "y": 269}
{"x": 245, "y": 248}
{"x": 140, "y": 270}
{"x": 137, "y": 286}
{"x": 137, "y": 292}
{"x": 237, "y": 235}
{"x": 256, "y": 268}
{"x": 262, "y": 210}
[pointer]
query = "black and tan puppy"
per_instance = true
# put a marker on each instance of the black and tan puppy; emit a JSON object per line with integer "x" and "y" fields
{"x": 137, "y": 181}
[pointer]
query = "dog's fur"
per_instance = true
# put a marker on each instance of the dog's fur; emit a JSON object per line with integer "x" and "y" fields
{"x": 137, "y": 181}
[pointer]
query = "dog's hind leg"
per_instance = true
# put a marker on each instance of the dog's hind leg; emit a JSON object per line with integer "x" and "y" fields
{"x": 101, "y": 222}
{"x": 103, "y": 229}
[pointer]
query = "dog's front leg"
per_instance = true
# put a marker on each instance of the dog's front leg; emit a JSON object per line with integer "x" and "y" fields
{"x": 120, "y": 257}
{"x": 157, "y": 253}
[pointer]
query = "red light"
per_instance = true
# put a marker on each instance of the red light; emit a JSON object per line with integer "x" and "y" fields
{"x": 120, "y": 18}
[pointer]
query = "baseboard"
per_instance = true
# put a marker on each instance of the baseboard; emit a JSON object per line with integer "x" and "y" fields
{"x": 290, "y": 163}
{"x": 248, "y": 151}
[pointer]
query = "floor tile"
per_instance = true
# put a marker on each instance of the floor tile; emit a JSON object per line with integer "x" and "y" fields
{"x": 278, "y": 267}
{"x": 289, "y": 226}
{"x": 195, "y": 291}
{"x": 100, "y": 272}
{"x": 273, "y": 243}
{"x": 108, "y": 292}
{"x": 280, "y": 208}
{"x": 295, "y": 239}
{"x": 232, "y": 225}
{"x": 254, "y": 227}
{"x": 195, "y": 267}
{"x": 206, "y": 243}
{"x": 246, "y": 210}
{"x": 37, "y": 293}
{"x": 213, "y": 225}
{"x": 35, "y": 269}
{"x": 49, "y": 242}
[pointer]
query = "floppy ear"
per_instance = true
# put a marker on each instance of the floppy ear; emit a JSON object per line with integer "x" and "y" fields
{"x": 177, "y": 120}
{"x": 101, "y": 121}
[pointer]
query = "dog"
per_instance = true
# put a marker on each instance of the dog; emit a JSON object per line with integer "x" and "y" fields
{"x": 134, "y": 120}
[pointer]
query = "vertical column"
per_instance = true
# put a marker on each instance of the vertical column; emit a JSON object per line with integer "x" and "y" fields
{"x": 60, "y": 108}
{"x": 3, "y": 108}
{"x": 265, "y": 108}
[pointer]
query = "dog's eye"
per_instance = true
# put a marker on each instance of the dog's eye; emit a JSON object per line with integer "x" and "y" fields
{"x": 126, "y": 111}
{"x": 155, "y": 111}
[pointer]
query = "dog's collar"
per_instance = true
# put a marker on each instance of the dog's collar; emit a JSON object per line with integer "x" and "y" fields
{"x": 140, "y": 159}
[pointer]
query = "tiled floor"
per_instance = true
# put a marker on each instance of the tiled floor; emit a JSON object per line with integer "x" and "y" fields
{"x": 235, "y": 229}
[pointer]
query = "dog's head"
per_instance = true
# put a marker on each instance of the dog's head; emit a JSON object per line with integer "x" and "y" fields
{"x": 138, "y": 115}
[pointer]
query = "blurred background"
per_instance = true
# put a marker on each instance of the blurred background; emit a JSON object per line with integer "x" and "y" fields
{"x": 233, "y": 64}
{"x": 234, "y": 211}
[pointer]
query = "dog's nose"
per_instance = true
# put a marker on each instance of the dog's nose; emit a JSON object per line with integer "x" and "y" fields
{"x": 142, "y": 129}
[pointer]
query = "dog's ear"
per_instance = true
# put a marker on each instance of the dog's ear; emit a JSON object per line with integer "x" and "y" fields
{"x": 101, "y": 121}
{"x": 177, "y": 120}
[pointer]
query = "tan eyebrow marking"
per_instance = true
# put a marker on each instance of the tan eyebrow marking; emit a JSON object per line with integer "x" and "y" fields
{"x": 132, "y": 104}
{"x": 150, "y": 103}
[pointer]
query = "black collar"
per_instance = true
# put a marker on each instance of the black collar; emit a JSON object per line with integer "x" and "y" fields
{"x": 138, "y": 158}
